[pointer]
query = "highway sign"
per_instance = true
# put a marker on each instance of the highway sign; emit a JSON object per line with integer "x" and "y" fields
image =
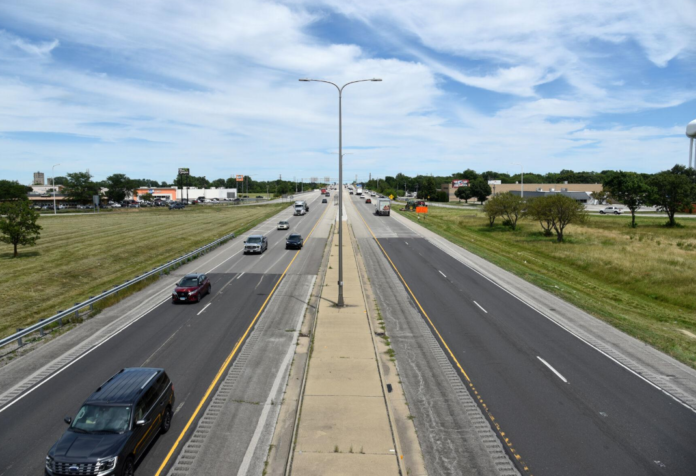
{"x": 391, "y": 197}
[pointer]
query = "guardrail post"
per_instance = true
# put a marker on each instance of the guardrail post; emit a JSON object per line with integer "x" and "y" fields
{"x": 41, "y": 329}
{"x": 19, "y": 340}
{"x": 60, "y": 322}
{"x": 77, "y": 311}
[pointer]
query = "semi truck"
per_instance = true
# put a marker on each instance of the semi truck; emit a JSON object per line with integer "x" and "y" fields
{"x": 382, "y": 206}
{"x": 301, "y": 207}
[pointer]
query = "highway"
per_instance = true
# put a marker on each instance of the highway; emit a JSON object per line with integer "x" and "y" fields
{"x": 557, "y": 405}
{"x": 190, "y": 341}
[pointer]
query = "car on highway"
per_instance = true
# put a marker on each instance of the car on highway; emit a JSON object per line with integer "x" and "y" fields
{"x": 323, "y": 200}
{"x": 255, "y": 244}
{"x": 608, "y": 210}
{"x": 191, "y": 288}
{"x": 283, "y": 225}
{"x": 115, "y": 425}
{"x": 294, "y": 241}
{"x": 368, "y": 200}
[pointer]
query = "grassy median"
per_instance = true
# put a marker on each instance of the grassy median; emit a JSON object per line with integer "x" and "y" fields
{"x": 640, "y": 280}
{"x": 80, "y": 256}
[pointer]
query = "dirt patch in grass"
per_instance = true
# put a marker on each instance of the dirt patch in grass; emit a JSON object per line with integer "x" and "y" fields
{"x": 639, "y": 280}
{"x": 81, "y": 256}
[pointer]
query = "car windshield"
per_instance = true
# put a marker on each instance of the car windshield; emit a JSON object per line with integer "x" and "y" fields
{"x": 295, "y": 237}
{"x": 283, "y": 223}
{"x": 188, "y": 281}
{"x": 102, "y": 418}
{"x": 254, "y": 239}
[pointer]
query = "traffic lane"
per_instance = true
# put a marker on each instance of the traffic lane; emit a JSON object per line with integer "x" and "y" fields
{"x": 604, "y": 419}
{"x": 606, "y": 392}
{"x": 191, "y": 352}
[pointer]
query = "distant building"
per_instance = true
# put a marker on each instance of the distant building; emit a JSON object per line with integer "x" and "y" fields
{"x": 40, "y": 189}
{"x": 171, "y": 193}
{"x": 565, "y": 188}
{"x": 582, "y": 197}
{"x": 39, "y": 178}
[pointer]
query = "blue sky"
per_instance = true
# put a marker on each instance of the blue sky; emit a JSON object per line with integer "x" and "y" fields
{"x": 143, "y": 88}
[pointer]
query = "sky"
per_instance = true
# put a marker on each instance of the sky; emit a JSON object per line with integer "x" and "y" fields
{"x": 145, "y": 87}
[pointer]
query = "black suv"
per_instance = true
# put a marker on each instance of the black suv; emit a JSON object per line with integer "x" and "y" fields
{"x": 294, "y": 241}
{"x": 115, "y": 425}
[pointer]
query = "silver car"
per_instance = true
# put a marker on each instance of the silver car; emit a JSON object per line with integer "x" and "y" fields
{"x": 255, "y": 244}
{"x": 608, "y": 210}
{"x": 283, "y": 225}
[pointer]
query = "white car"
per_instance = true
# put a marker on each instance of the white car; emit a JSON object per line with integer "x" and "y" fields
{"x": 283, "y": 225}
{"x": 608, "y": 210}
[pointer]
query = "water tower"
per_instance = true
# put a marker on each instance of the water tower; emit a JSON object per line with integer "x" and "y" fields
{"x": 691, "y": 133}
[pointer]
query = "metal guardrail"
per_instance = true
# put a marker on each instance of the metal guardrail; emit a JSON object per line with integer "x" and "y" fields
{"x": 75, "y": 310}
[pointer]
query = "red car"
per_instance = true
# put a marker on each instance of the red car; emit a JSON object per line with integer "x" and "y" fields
{"x": 191, "y": 288}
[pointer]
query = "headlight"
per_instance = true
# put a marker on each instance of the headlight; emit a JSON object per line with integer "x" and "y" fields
{"x": 191, "y": 292}
{"x": 107, "y": 465}
{"x": 49, "y": 463}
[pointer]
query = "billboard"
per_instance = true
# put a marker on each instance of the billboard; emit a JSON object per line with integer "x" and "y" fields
{"x": 184, "y": 171}
{"x": 240, "y": 178}
{"x": 327, "y": 179}
{"x": 460, "y": 183}
{"x": 495, "y": 182}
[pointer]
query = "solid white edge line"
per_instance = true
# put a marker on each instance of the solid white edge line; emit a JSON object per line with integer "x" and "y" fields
{"x": 97, "y": 345}
{"x": 100, "y": 343}
{"x": 440, "y": 245}
{"x": 251, "y": 449}
{"x": 480, "y": 307}
{"x": 442, "y": 273}
{"x": 558, "y": 374}
{"x": 204, "y": 308}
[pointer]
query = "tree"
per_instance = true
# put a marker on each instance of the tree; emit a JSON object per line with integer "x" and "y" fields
{"x": 218, "y": 183}
{"x": 119, "y": 187}
{"x": 13, "y": 190}
{"x": 480, "y": 189}
{"x": 18, "y": 226}
{"x": 427, "y": 188}
{"x": 537, "y": 210}
{"x": 146, "y": 197}
{"x": 601, "y": 196}
{"x": 509, "y": 206}
{"x": 80, "y": 188}
{"x": 562, "y": 211}
{"x": 628, "y": 188}
{"x": 463, "y": 193}
{"x": 672, "y": 191}
{"x": 492, "y": 211}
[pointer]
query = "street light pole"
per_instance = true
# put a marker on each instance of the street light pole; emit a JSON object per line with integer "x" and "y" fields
{"x": 53, "y": 182}
{"x": 340, "y": 302}
{"x": 522, "y": 178}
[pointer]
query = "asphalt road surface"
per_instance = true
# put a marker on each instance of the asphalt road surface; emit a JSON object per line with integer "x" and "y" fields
{"x": 190, "y": 341}
{"x": 561, "y": 406}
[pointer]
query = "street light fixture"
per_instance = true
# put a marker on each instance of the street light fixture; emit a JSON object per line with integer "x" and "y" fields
{"x": 53, "y": 182}
{"x": 340, "y": 177}
{"x": 522, "y": 188}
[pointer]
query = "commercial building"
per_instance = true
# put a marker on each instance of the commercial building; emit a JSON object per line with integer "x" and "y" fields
{"x": 191, "y": 193}
{"x": 38, "y": 178}
{"x": 565, "y": 188}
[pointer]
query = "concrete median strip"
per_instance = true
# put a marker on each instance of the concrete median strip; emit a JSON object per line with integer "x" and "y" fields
{"x": 345, "y": 426}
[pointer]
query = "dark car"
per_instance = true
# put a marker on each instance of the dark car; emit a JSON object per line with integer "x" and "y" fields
{"x": 327, "y": 194}
{"x": 323, "y": 200}
{"x": 191, "y": 288}
{"x": 176, "y": 206}
{"x": 294, "y": 241}
{"x": 115, "y": 425}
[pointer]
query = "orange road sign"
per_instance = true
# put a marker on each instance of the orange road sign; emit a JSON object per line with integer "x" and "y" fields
{"x": 421, "y": 209}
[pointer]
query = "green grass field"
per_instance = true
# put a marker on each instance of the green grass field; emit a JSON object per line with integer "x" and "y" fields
{"x": 642, "y": 281}
{"x": 80, "y": 256}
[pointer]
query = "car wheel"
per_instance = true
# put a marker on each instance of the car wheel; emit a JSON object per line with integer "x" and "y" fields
{"x": 128, "y": 468}
{"x": 167, "y": 420}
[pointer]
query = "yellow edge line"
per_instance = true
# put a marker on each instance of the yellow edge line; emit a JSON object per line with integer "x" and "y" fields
{"x": 495, "y": 423}
{"x": 414, "y": 298}
{"x": 230, "y": 357}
